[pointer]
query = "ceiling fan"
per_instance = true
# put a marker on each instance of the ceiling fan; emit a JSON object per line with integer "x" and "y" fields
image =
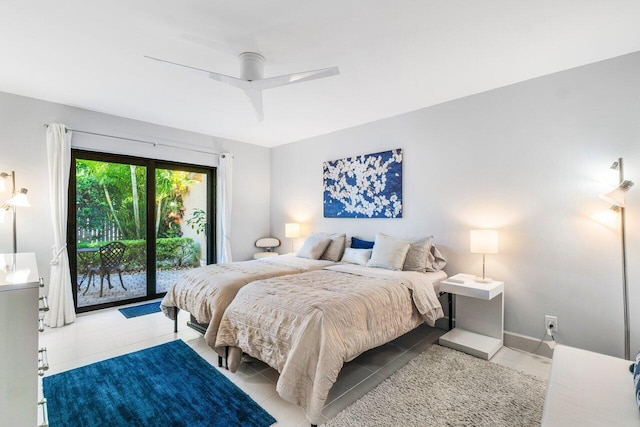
{"x": 251, "y": 79}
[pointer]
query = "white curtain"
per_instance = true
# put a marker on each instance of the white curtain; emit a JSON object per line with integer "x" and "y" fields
{"x": 60, "y": 298}
{"x": 225, "y": 173}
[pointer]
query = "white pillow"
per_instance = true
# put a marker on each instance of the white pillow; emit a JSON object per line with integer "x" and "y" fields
{"x": 356, "y": 256}
{"x": 417, "y": 257}
{"x": 388, "y": 252}
{"x": 314, "y": 246}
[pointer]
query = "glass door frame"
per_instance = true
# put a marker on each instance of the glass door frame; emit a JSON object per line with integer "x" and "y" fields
{"x": 151, "y": 166}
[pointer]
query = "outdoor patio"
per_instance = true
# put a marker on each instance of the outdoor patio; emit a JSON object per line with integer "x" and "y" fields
{"x": 136, "y": 284}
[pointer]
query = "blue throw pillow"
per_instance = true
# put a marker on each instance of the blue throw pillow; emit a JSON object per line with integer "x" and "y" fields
{"x": 361, "y": 244}
{"x": 636, "y": 379}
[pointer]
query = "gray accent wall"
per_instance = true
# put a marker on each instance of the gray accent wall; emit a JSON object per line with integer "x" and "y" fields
{"x": 23, "y": 149}
{"x": 528, "y": 159}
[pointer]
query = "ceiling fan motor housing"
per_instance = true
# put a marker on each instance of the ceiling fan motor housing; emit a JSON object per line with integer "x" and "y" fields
{"x": 251, "y": 66}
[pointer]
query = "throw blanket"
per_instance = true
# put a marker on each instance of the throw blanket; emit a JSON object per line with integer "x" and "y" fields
{"x": 306, "y": 326}
{"x": 206, "y": 292}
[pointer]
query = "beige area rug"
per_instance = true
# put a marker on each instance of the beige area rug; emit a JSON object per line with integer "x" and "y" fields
{"x": 444, "y": 387}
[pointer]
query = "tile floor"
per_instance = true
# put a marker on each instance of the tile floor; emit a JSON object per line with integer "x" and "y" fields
{"x": 107, "y": 333}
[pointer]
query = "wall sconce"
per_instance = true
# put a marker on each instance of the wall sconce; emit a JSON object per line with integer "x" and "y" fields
{"x": 18, "y": 199}
{"x": 483, "y": 242}
{"x": 616, "y": 197}
{"x": 292, "y": 231}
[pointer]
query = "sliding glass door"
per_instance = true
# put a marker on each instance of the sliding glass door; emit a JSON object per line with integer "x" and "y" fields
{"x": 111, "y": 250}
{"x": 135, "y": 225}
{"x": 180, "y": 225}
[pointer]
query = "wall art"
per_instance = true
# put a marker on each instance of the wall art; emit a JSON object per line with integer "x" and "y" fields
{"x": 366, "y": 186}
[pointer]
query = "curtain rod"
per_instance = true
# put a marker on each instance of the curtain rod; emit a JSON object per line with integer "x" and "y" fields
{"x": 155, "y": 144}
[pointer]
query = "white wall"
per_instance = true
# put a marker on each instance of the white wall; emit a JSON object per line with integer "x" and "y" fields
{"x": 528, "y": 159}
{"x": 23, "y": 149}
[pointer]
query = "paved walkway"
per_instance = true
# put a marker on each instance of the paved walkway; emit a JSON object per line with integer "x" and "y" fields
{"x": 135, "y": 283}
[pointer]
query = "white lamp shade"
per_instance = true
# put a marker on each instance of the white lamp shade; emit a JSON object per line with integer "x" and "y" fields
{"x": 292, "y": 230}
{"x": 3, "y": 213}
{"x": 617, "y": 196}
{"x": 20, "y": 199}
{"x": 484, "y": 241}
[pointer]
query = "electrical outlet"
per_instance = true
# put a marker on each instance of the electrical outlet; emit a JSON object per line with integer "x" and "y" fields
{"x": 551, "y": 321}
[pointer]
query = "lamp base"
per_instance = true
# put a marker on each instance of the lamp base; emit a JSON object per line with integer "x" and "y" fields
{"x": 484, "y": 279}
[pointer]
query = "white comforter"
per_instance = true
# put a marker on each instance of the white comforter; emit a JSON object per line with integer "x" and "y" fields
{"x": 207, "y": 291}
{"x": 306, "y": 326}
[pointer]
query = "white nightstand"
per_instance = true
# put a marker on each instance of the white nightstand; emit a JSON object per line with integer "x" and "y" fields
{"x": 479, "y": 316}
{"x": 259, "y": 255}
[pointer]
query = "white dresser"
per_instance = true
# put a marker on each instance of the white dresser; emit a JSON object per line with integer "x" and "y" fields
{"x": 19, "y": 356}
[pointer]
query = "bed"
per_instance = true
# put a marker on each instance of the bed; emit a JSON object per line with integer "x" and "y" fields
{"x": 308, "y": 325}
{"x": 207, "y": 291}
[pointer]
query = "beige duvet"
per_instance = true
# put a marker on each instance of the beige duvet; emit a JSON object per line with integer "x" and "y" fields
{"x": 207, "y": 291}
{"x": 306, "y": 326}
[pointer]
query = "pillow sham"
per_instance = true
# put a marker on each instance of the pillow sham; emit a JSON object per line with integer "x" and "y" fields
{"x": 356, "y": 256}
{"x": 388, "y": 252}
{"x": 336, "y": 247}
{"x": 361, "y": 244}
{"x": 435, "y": 260}
{"x": 417, "y": 255}
{"x": 314, "y": 246}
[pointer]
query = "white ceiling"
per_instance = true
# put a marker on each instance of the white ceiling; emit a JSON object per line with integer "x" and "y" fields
{"x": 394, "y": 56}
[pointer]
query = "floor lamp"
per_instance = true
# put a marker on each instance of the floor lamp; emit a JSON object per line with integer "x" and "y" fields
{"x": 616, "y": 197}
{"x": 18, "y": 199}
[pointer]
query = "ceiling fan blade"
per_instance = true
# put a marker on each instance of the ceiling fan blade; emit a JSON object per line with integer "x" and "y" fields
{"x": 233, "y": 81}
{"x": 215, "y": 76}
{"x": 255, "y": 99}
{"x": 288, "y": 79}
{"x": 253, "y": 88}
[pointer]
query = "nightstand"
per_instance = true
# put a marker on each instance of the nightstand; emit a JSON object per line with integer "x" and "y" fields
{"x": 479, "y": 316}
{"x": 259, "y": 255}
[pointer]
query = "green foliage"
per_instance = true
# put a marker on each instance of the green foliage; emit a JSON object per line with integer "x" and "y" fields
{"x": 171, "y": 186}
{"x": 171, "y": 253}
{"x": 105, "y": 195}
{"x": 114, "y": 194}
{"x": 198, "y": 221}
{"x": 177, "y": 252}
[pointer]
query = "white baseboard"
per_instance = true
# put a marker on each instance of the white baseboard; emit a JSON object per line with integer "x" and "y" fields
{"x": 513, "y": 340}
{"x": 527, "y": 343}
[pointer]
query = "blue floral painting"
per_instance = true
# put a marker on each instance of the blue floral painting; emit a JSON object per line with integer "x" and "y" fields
{"x": 367, "y": 186}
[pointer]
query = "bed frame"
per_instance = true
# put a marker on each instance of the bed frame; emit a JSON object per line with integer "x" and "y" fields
{"x": 200, "y": 328}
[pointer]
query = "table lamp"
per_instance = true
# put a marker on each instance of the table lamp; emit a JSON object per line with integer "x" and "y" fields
{"x": 292, "y": 231}
{"x": 484, "y": 242}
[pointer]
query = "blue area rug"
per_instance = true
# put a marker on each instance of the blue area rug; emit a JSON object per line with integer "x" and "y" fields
{"x": 140, "y": 310}
{"x": 167, "y": 385}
